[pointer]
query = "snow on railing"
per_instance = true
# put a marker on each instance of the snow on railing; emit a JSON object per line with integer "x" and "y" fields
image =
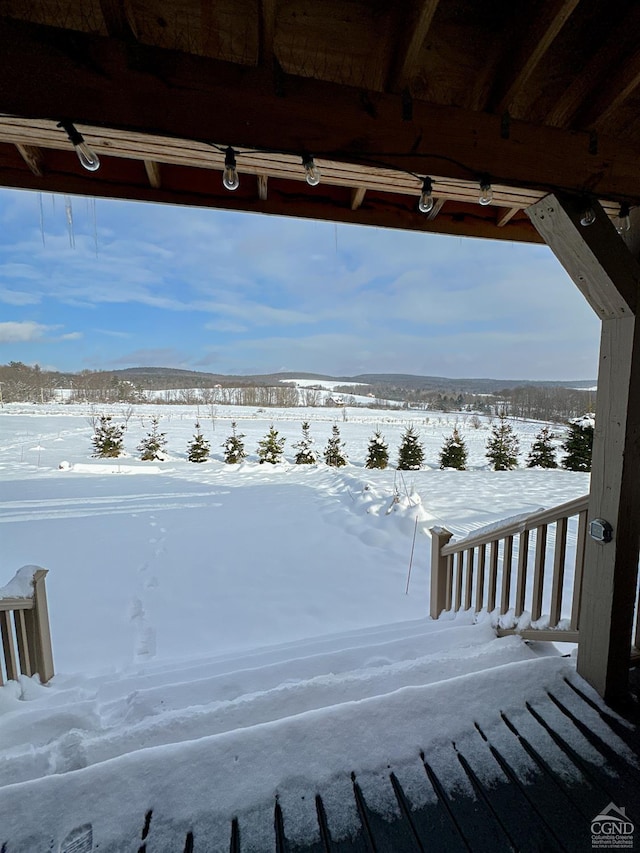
{"x": 462, "y": 577}
{"x": 24, "y": 624}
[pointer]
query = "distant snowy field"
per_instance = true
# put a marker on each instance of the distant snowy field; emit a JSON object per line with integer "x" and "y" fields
{"x": 225, "y": 633}
{"x": 173, "y": 560}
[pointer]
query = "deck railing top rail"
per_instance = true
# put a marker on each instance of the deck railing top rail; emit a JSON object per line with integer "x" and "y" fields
{"x": 517, "y": 524}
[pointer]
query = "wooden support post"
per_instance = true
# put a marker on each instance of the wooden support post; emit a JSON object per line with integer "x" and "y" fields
{"x": 609, "y": 277}
{"x": 438, "y": 603}
{"x": 38, "y": 629}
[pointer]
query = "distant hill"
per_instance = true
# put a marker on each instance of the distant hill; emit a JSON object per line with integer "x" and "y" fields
{"x": 408, "y": 381}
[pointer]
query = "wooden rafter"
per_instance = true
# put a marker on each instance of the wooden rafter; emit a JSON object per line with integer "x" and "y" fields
{"x": 266, "y": 31}
{"x": 33, "y": 157}
{"x": 118, "y": 19}
{"x": 262, "y": 187}
{"x": 312, "y": 114}
{"x": 153, "y": 173}
{"x": 357, "y": 197}
{"x": 505, "y": 216}
{"x": 594, "y": 75}
{"x": 534, "y": 42}
{"x": 413, "y": 32}
{"x": 622, "y": 81}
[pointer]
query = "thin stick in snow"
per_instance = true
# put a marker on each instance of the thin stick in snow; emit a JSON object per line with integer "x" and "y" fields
{"x": 413, "y": 545}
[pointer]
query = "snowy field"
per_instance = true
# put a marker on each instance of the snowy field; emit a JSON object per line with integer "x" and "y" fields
{"x": 218, "y": 615}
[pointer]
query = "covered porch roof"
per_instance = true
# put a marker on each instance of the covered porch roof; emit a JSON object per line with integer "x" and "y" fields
{"x": 530, "y": 97}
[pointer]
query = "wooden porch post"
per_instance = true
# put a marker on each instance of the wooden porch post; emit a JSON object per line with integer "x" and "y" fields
{"x": 607, "y": 274}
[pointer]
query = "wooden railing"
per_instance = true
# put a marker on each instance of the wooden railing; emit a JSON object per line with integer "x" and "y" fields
{"x": 24, "y": 623}
{"x": 478, "y": 572}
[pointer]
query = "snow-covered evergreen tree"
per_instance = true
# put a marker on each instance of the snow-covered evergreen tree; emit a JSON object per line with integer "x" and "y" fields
{"x": 454, "y": 452}
{"x": 271, "y": 447}
{"x": 305, "y": 454}
{"x": 198, "y": 447}
{"x": 503, "y": 445}
{"x": 233, "y": 447}
{"x": 543, "y": 452}
{"x": 153, "y": 444}
{"x": 410, "y": 452}
{"x": 108, "y": 438}
{"x": 578, "y": 445}
{"x": 334, "y": 454}
{"x": 378, "y": 452}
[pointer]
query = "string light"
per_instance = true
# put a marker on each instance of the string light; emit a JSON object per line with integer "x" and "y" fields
{"x": 230, "y": 177}
{"x": 312, "y": 172}
{"x": 624, "y": 221}
{"x": 87, "y": 157}
{"x": 425, "y": 204}
{"x": 486, "y": 191}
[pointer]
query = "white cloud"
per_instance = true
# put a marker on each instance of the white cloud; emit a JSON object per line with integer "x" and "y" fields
{"x": 23, "y": 332}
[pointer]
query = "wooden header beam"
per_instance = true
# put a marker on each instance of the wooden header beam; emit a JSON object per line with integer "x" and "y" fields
{"x": 50, "y": 73}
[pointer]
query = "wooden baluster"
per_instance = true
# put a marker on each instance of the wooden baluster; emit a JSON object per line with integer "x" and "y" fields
{"x": 10, "y": 658}
{"x": 22, "y": 637}
{"x": 507, "y": 558}
{"x": 449, "y": 583}
{"x": 538, "y": 572}
{"x": 493, "y": 576}
{"x": 558, "y": 572}
{"x": 577, "y": 579}
{"x": 469, "y": 580}
{"x": 521, "y": 583}
{"x": 459, "y": 566}
{"x": 482, "y": 558}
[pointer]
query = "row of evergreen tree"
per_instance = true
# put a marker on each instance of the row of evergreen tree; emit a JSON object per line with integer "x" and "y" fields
{"x": 502, "y": 447}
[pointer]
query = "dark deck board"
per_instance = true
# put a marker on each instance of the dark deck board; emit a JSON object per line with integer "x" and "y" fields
{"x": 520, "y": 784}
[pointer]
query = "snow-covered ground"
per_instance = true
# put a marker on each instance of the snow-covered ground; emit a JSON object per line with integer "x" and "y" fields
{"x": 207, "y": 618}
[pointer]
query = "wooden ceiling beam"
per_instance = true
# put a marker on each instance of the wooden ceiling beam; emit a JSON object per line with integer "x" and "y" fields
{"x": 51, "y": 73}
{"x": 262, "y": 187}
{"x": 534, "y": 42}
{"x": 266, "y": 31}
{"x": 413, "y": 32}
{"x": 33, "y": 157}
{"x": 119, "y": 20}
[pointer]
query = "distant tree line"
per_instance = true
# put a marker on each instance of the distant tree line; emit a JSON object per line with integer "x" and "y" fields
{"x": 21, "y": 383}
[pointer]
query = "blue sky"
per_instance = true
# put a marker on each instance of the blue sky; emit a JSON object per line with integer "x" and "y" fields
{"x": 239, "y": 293}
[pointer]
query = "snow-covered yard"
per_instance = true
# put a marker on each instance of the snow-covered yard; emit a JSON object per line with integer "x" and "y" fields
{"x": 241, "y": 625}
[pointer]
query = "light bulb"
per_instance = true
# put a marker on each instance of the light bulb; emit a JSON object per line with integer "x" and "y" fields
{"x": 588, "y": 216}
{"x": 425, "y": 204}
{"x": 624, "y": 221}
{"x": 486, "y": 192}
{"x": 87, "y": 157}
{"x": 230, "y": 177}
{"x": 312, "y": 172}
